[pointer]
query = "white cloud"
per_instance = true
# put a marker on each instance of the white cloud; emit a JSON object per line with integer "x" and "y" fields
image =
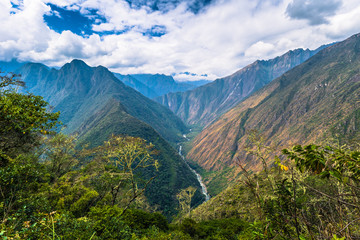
{"x": 259, "y": 49}
{"x": 226, "y": 36}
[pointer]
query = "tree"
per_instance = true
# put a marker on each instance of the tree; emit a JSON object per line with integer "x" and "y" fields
{"x": 130, "y": 155}
{"x": 312, "y": 195}
{"x": 23, "y": 119}
{"x": 59, "y": 154}
{"x": 184, "y": 197}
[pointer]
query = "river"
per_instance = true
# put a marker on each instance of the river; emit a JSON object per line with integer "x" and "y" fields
{"x": 203, "y": 187}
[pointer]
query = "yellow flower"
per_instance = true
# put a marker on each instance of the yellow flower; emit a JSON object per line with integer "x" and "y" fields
{"x": 283, "y": 167}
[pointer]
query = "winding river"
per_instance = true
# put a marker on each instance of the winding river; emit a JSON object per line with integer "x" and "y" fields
{"x": 203, "y": 187}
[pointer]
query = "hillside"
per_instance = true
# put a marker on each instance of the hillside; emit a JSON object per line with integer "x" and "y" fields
{"x": 79, "y": 91}
{"x": 316, "y": 100}
{"x": 204, "y": 104}
{"x": 173, "y": 174}
{"x": 95, "y": 104}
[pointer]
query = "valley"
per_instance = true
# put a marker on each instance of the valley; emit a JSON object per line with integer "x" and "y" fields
{"x": 199, "y": 178}
{"x": 120, "y": 120}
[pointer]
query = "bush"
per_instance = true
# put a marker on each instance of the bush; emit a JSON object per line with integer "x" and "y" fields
{"x": 141, "y": 220}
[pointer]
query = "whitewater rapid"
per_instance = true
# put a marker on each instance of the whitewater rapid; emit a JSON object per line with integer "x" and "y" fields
{"x": 203, "y": 187}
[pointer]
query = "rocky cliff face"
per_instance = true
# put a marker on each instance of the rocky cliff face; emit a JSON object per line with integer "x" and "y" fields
{"x": 206, "y": 103}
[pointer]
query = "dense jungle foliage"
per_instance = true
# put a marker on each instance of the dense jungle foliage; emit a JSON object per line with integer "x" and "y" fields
{"x": 51, "y": 189}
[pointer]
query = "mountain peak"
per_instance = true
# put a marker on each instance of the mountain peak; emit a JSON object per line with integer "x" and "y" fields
{"x": 78, "y": 63}
{"x": 32, "y": 64}
{"x": 203, "y": 105}
{"x": 75, "y": 64}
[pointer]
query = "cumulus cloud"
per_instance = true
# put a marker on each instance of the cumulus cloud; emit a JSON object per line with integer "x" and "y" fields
{"x": 259, "y": 49}
{"x": 214, "y": 42}
{"x": 316, "y": 12}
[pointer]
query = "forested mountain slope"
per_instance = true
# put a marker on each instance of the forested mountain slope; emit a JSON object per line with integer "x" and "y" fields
{"x": 173, "y": 174}
{"x": 95, "y": 104}
{"x": 79, "y": 91}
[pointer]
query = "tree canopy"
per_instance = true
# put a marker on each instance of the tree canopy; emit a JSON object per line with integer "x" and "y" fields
{"x": 24, "y": 117}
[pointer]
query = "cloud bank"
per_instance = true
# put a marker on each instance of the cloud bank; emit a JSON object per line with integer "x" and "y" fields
{"x": 209, "y": 39}
{"x": 316, "y": 12}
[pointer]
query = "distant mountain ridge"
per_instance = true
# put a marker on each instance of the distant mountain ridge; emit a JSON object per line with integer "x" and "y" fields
{"x": 155, "y": 85}
{"x": 11, "y": 66}
{"x": 204, "y": 104}
{"x": 317, "y": 100}
{"x": 130, "y": 81}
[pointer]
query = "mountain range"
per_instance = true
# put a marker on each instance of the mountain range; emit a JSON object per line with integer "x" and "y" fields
{"x": 79, "y": 91}
{"x": 206, "y": 103}
{"x": 155, "y": 85}
{"x": 95, "y": 104}
{"x": 314, "y": 102}
{"x": 300, "y": 97}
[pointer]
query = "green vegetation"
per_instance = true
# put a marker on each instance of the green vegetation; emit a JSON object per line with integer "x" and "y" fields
{"x": 187, "y": 144}
{"x": 173, "y": 174}
{"x": 94, "y": 105}
{"x": 184, "y": 197}
{"x": 80, "y": 92}
{"x": 312, "y": 193}
{"x": 22, "y": 118}
{"x": 217, "y": 181}
{"x": 53, "y": 186}
{"x": 55, "y": 190}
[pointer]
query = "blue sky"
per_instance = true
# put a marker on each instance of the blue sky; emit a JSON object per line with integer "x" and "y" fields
{"x": 189, "y": 39}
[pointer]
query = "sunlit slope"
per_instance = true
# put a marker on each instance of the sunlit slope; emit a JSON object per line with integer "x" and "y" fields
{"x": 204, "y": 104}
{"x": 316, "y": 100}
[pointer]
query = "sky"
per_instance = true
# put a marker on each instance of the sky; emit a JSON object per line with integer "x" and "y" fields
{"x": 188, "y": 39}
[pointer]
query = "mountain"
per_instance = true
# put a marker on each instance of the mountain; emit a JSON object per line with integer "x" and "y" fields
{"x": 314, "y": 102}
{"x": 154, "y": 85}
{"x": 161, "y": 83}
{"x": 79, "y": 91}
{"x": 197, "y": 83}
{"x": 204, "y": 104}
{"x": 95, "y": 104}
{"x": 173, "y": 174}
{"x": 11, "y": 65}
{"x": 137, "y": 85}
